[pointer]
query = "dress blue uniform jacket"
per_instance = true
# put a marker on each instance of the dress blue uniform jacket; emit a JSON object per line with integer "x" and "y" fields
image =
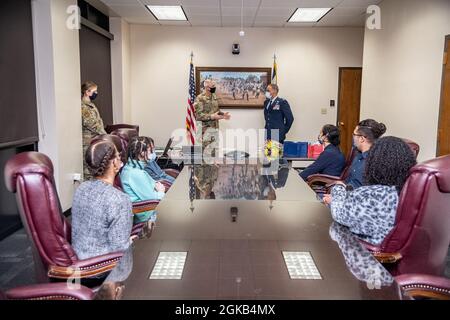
{"x": 278, "y": 116}
{"x": 330, "y": 162}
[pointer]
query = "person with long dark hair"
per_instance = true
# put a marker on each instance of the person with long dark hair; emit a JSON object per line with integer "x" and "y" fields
{"x": 369, "y": 211}
{"x": 331, "y": 161}
{"x": 136, "y": 182}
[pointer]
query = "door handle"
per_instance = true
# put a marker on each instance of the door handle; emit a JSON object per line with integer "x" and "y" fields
{"x": 341, "y": 123}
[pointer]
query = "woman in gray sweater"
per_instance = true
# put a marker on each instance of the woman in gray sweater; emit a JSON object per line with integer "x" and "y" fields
{"x": 101, "y": 214}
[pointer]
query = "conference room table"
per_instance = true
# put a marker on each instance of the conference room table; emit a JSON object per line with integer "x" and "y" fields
{"x": 246, "y": 231}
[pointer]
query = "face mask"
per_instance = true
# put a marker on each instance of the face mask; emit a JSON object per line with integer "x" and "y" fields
{"x": 319, "y": 140}
{"x": 212, "y": 90}
{"x": 152, "y": 156}
{"x": 268, "y": 95}
{"x": 94, "y": 96}
{"x": 120, "y": 166}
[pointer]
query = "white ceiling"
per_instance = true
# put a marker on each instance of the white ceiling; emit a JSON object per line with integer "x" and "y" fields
{"x": 257, "y": 13}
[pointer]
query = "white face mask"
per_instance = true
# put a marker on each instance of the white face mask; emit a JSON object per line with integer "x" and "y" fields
{"x": 151, "y": 156}
{"x": 268, "y": 95}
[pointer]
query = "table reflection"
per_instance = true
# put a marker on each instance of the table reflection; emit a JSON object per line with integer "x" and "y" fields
{"x": 235, "y": 182}
{"x": 113, "y": 286}
{"x": 359, "y": 260}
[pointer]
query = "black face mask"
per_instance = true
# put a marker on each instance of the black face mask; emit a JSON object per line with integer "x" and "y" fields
{"x": 94, "y": 96}
{"x": 212, "y": 90}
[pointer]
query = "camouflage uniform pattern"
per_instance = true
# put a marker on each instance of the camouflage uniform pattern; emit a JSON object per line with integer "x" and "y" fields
{"x": 204, "y": 107}
{"x": 93, "y": 126}
{"x": 205, "y": 176}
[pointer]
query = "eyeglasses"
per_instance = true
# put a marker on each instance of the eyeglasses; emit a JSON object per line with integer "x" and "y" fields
{"x": 358, "y": 135}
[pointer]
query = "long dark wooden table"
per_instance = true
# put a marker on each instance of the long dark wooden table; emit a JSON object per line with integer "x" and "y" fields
{"x": 240, "y": 255}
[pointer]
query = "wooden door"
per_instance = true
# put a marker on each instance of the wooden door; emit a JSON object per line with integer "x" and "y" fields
{"x": 95, "y": 63}
{"x": 349, "y": 100}
{"x": 443, "y": 139}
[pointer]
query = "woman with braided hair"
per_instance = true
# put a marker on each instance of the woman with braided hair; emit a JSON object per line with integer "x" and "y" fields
{"x": 101, "y": 214}
{"x": 136, "y": 182}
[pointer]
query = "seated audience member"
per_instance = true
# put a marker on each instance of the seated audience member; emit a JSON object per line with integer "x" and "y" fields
{"x": 101, "y": 214}
{"x": 152, "y": 167}
{"x": 136, "y": 182}
{"x": 331, "y": 161}
{"x": 370, "y": 210}
{"x": 365, "y": 135}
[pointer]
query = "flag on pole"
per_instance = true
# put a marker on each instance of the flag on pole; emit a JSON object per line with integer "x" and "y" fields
{"x": 191, "y": 127}
{"x": 274, "y": 73}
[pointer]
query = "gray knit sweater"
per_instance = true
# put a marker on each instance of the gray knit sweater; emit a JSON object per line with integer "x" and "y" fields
{"x": 102, "y": 219}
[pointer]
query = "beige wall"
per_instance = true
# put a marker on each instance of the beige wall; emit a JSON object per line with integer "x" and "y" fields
{"x": 58, "y": 92}
{"x": 403, "y": 68}
{"x": 308, "y": 63}
{"x": 120, "y": 65}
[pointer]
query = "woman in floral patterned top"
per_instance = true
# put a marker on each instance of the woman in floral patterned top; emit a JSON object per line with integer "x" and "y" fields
{"x": 370, "y": 211}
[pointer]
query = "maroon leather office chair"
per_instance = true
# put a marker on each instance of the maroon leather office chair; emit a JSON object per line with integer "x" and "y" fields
{"x": 48, "y": 291}
{"x": 321, "y": 183}
{"x": 419, "y": 286}
{"x": 112, "y": 127}
{"x": 420, "y": 239}
{"x": 30, "y": 176}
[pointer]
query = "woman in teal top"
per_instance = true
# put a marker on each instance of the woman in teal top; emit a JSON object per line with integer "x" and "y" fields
{"x": 136, "y": 182}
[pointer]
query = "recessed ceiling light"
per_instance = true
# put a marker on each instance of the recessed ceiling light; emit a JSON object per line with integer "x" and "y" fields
{"x": 301, "y": 265}
{"x": 171, "y": 13}
{"x": 169, "y": 265}
{"x": 308, "y": 14}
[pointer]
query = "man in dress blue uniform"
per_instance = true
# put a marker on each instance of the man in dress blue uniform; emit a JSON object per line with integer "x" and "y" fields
{"x": 278, "y": 115}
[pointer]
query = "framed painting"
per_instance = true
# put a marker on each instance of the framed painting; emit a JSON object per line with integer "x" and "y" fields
{"x": 236, "y": 87}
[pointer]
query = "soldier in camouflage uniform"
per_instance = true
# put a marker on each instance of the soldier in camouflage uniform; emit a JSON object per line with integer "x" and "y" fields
{"x": 205, "y": 177}
{"x": 208, "y": 114}
{"x": 92, "y": 123}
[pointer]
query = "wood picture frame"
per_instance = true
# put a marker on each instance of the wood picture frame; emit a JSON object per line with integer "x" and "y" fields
{"x": 237, "y": 87}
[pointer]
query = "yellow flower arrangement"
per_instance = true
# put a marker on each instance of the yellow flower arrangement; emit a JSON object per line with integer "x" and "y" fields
{"x": 273, "y": 150}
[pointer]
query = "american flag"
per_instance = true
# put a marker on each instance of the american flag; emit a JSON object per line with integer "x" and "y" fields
{"x": 191, "y": 126}
{"x": 274, "y": 74}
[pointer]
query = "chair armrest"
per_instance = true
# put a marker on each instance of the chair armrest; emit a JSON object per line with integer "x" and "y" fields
{"x": 172, "y": 172}
{"x": 382, "y": 257}
{"x": 422, "y": 285}
{"x": 86, "y": 268}
{"x": 50, "y": 291}
{"x": 166, "y": 184}
{"x": 146, "y": 205}
{"x": 137, "y": 228}
{"x": 322, "y": 179}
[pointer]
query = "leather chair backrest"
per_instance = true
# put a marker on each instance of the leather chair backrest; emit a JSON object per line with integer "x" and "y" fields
{"x": 125, "y": 135}
{"x": 414, "y": 146}
{"x": 30, "y": 176}
{"x": 348, "y": 164}
{"x": 115, "y": 140}
{"x": 422, "y": 227}
{"x": 112, "y": 127}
